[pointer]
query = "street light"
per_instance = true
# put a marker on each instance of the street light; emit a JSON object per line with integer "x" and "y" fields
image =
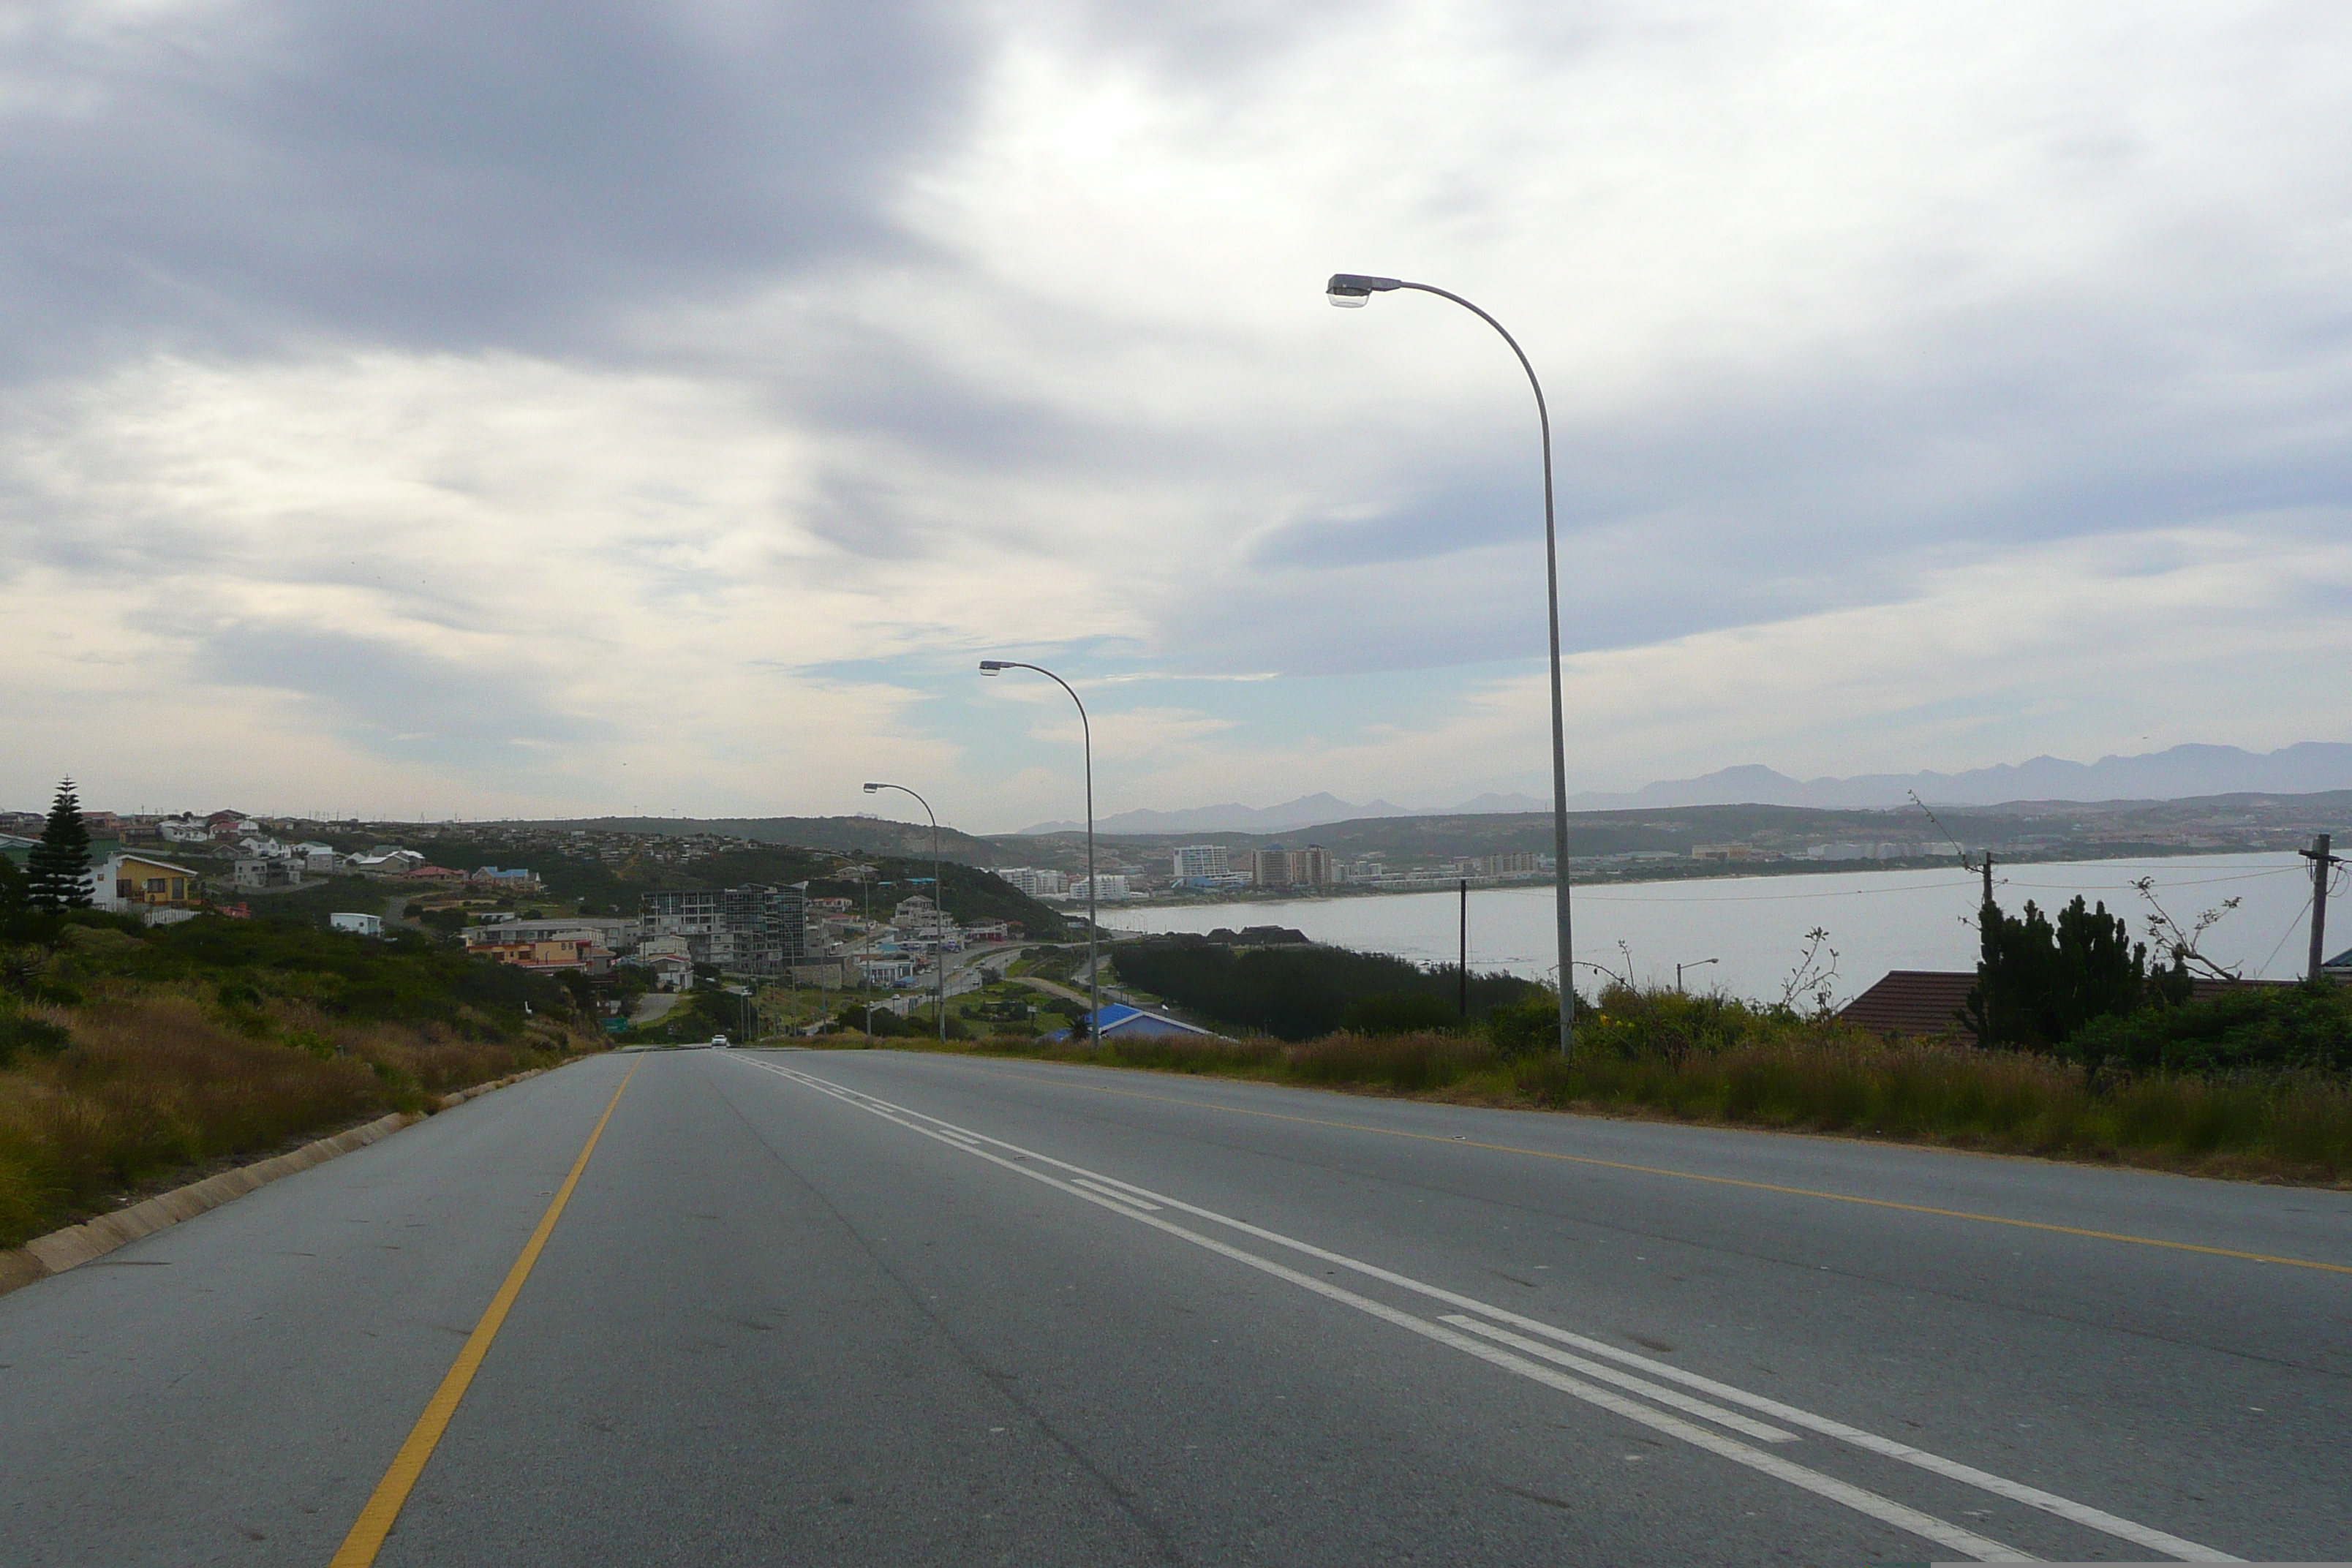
{"x": 990, "y": 666}
{"x": 939, "y": 903}
{"x": 1702, "y": 963}
{"x": 1351, "y": 290}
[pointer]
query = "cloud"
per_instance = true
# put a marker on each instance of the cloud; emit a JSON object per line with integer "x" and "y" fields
{"x": 637, "y": 407}
{"x": 239, "y": 178}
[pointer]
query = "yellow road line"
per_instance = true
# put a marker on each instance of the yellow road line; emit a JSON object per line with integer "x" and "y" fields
{"x": 1736, "y": 1181}
{"x": 368, "y": 1533}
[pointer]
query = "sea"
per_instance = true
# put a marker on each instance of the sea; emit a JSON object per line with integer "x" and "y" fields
{"x": 1746, "y": 936}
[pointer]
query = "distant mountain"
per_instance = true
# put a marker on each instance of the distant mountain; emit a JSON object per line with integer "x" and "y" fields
{"x": 1492, "y": 804}
{"x": 1305, "y": 812}
{"x": 2177, "y": 773}
{"x": 2181, "y": 772}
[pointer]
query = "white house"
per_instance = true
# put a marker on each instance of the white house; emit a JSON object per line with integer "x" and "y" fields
{"x": 255, "y": 874}
{"x": 357, "y": 924}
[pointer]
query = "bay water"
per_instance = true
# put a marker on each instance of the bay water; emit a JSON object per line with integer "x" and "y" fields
{"x": 1755, "y": 927}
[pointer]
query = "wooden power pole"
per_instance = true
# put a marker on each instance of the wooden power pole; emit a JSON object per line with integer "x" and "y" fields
{"x": 2321, "y": 860}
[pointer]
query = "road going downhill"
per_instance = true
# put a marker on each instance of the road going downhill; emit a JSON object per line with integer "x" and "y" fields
{"x": 807, "y": 1307}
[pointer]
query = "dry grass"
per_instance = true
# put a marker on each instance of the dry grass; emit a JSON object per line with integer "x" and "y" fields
{"x": 1801, "y": 1076}
{"x": 156, "y": 1082}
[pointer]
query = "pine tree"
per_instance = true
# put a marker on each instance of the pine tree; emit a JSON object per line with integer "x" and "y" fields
{"x": 58, "y": 865}
{"x": 2037, "y": 982}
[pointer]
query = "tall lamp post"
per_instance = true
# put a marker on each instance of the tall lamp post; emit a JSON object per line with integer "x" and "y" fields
{"x": 939, "y": 903}
{"x": 1086, "y": 728}
{"x": 1350, "y": 290}
{"x": 1701, "y": 963}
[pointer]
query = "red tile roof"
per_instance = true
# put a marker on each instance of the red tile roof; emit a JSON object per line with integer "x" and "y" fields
{"x": 1918, "y": 1002}
{"x": 1914, "y": 1003}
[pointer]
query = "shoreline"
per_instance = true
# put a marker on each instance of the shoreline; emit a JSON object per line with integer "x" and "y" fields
{"x": 1713, "y": 871}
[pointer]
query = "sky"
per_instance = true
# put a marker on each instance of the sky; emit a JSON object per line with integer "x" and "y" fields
{"x": 446, "y": 410}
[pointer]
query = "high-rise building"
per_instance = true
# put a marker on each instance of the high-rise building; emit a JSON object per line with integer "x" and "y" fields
{"x": 1269, "y": 867}
{"x": 1310, "y": 867}
{"x": 690, "y": 914}
{"x": 1195, "y": 862}
{"x": 754, "y": 930}
{"x": 1033, "y": 880}
{"x": 761, "y": 930}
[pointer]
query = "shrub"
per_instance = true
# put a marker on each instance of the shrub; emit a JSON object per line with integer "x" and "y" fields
{"x": 2270, "y": 1027}
{"x": 152, "y": 1083}
{"x": 24, "y": 1034}
{"x": 1526, "y": 1027}
{"x": 1397, "y": 1013}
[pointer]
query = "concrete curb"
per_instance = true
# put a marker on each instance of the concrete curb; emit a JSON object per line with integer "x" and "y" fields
{"x": 77, "y": 1244}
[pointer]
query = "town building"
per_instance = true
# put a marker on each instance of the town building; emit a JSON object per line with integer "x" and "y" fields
{"x": 1035, "y": 881}
{"x": 1106, "y": 888}
{"x": 761, "y": 930}
{"x": 752, "y": 930}
{"x": 1200, "y": 864}
{"x": 1520, "y": 863}
{"x": 570, "y": 953}
{"x": 1276, "y": 867}
{"x": 615, "y": 934}
{"x": 1121, "y": 1022}
{"x": 260, "y": 873}
{"x": 356, "y": 923}
{"x": 690, "y": 914}
{"x": 125, "y": 882}
{"x": 886, "y": 970}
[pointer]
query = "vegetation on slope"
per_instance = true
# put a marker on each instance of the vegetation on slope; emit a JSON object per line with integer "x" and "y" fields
{"x": 129, "y": 1056}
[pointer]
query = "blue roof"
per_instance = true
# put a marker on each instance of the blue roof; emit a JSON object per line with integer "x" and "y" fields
{"x": 1119, "y": 1018}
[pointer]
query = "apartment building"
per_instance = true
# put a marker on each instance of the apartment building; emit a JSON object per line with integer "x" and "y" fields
{"x": 752, "y": 930}
{"x": 1200, "y": 862}
{"x": 1276, "y": 867}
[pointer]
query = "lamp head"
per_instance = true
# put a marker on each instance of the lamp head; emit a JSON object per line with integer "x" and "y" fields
{"x": 872, "y": 788}
{"x": 1349, "y": 290}
{"x": 990, "y": 666}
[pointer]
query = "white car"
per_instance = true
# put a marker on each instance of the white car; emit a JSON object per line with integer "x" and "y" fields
{"x": 718, "y": 1042}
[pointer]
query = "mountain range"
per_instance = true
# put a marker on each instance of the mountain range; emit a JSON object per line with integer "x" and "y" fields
{"x": 2177, "y": 773}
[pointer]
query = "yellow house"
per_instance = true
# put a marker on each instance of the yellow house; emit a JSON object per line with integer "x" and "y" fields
{"x": 128, "y": 881}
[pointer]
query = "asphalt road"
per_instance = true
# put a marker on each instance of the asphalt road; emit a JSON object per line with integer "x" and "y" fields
{"x": 870, "y": 1308}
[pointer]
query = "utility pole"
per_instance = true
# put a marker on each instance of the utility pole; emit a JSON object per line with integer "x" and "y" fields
{"x": 2320, "y": 861}
{"x": 1987, "y": 875}
{"x": 1466, "y": 947}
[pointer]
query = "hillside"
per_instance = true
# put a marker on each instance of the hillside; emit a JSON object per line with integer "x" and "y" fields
{"x": 859, "y": 836}
{"x": 603, "y": 879}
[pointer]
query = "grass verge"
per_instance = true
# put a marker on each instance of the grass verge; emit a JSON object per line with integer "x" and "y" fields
{"x": 1814, "y": 1076}
{"x": 159, "y": 1082}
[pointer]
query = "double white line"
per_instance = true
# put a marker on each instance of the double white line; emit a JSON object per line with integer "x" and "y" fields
{"x": 1542, "y": 1353}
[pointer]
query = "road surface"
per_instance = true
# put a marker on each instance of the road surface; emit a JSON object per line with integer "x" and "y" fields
{"x": 811, "y": 1307}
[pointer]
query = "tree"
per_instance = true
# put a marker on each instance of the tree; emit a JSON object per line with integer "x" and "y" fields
{"x": 2038, "y": 984}
{"x": 58, "y": 865}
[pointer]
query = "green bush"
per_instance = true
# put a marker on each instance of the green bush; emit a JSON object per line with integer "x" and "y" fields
{"x": 1295, "y": 992}
{"x": 2254, "y": 1027}
{"x": 1398, "y": 1013}
{"x": 1528, "y": 1026}
{"x": 23, "y": 1035}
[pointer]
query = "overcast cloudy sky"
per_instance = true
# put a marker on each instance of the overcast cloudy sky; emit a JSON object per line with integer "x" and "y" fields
{"x": 593, "y": 407}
